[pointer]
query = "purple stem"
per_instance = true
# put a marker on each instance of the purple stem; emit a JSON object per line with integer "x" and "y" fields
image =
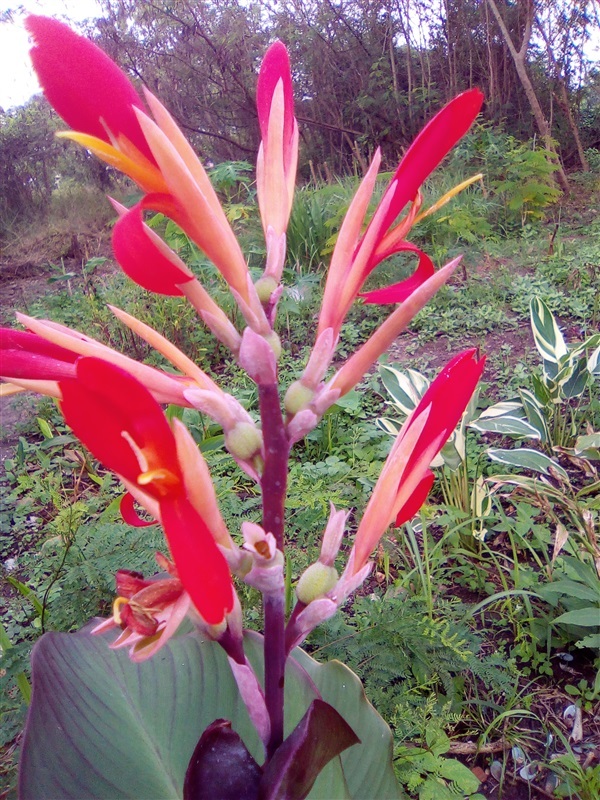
{"x": 274, "y": 485}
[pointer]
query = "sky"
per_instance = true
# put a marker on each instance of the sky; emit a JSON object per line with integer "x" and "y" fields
{"x": 17, "y": 79}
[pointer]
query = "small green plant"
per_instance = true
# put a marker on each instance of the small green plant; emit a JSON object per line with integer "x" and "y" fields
{"x": 552, "y": 412}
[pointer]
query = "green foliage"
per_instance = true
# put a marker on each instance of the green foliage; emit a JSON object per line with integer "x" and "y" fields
{"x": 552, "y": 412}
{"x": 409, "y": 660}
{"x": 425, "y": 772}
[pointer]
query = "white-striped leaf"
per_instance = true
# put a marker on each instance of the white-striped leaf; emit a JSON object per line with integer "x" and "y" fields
{"x": 511, "y": 408}
{"x": 540, "y": 390}
{"x": 546, "y": 333}
{"x": 524, "y": 458}
{"x": 388, "y": 425}
{"x": 535, "y": 414}
{"x": 507, "y": 426}
{"x": 406, "y": 388}
{"x": 593, "y": 363}
{"x": 579, "y": 379}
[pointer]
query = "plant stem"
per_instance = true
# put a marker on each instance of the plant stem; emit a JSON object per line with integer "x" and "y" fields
{"x": 274, "y": 484}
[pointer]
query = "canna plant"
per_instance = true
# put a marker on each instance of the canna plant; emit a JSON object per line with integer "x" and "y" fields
{"x": 181, "y": 702}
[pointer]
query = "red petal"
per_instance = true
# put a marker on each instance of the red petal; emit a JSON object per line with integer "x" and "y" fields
{"x": 32, "y": 366}
{"x": 416, "y": 500}
{"x": 275, "y": 66}
{"x": 83, "y": 84}
{"x": 448, "y": 396}
{"x": 201, "y": 566}
{"x": 398, "y": 292}
{"x": 430, "y": 147}
{"x": 141, "y": 259}
{"x": 130, "y": 515}
{"x": 103, "y": 402}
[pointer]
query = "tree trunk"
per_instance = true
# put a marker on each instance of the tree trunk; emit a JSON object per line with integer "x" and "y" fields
{"x": 520, "y": 60}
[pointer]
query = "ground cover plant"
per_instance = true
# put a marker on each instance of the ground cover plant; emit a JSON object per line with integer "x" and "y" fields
{"x": 435, "y": 611}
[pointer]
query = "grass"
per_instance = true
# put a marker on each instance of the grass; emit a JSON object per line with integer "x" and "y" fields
{"x": 451, "y": 642}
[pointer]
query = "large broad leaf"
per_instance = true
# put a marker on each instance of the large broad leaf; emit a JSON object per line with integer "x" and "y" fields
{"x": 586, "y": 617}
{"x": 103, "y": 728}
{"x": 524, "y": 458}
{"x": 547, "y": 336}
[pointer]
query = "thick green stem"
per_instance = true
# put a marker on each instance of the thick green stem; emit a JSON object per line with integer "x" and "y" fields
{"x": 274, "y": 485}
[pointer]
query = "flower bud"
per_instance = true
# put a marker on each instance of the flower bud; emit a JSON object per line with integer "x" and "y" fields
{"x": 275, "y": 342}
{"x": 244, "y": 440}
{"x": 265, "y": 287}
{"x": 316, "y": 581}
{"x": 297, "y": 397}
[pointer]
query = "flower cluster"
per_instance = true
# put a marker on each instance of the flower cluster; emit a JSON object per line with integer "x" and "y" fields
{"x": 113, "y": 403}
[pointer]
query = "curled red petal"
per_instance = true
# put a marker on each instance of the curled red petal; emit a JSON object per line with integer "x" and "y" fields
{"x": 430, "y": 147}
{"x": 416, "y": 500}
{"x": 103, "y": 402}
{"x": 398, "y": 292}
{"x": 275, "y": 66}
{"x": 130, "y": 515}
{"x": 129, "y": 582}
{"x": 85, "y": 87}
{"x": 140, "y": 258}
{"x": 201, "y": 566}
{"x": 448, "y": 396}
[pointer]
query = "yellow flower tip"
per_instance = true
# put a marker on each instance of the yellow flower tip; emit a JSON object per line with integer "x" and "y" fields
{"x": 161, "y": 479}
{"x": 119, "y": 601}
{"x": 448, "y": 196}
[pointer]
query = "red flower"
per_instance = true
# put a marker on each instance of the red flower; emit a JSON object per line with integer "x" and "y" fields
{"x": 406, "y": 479}
{"x": 125, "y": 428}
{"x": 92, "y": 95}
{"x": 355, "y": 255}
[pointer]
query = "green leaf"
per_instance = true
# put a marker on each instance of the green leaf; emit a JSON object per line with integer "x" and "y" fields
{"x": 588, "y": 617}
{"x": 102, "y": 727}
{"x": 569, "y": 588}
{"x": 28, "y": 593}
{"x": 45, "y": 428}
{"x": 592, "y": 642}
{"x": 524, "y": 458}
{"x": 454, "y": 771}
{"x": 546, "y": 333}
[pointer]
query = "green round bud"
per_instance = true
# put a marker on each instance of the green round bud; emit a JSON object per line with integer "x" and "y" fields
{"x": 274, "y": 341}
{"x": 265, "y": 287}
{"x": 316, "y": 581}
{"x": 297, "y": 397}
{"x": 244, "y": 441}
